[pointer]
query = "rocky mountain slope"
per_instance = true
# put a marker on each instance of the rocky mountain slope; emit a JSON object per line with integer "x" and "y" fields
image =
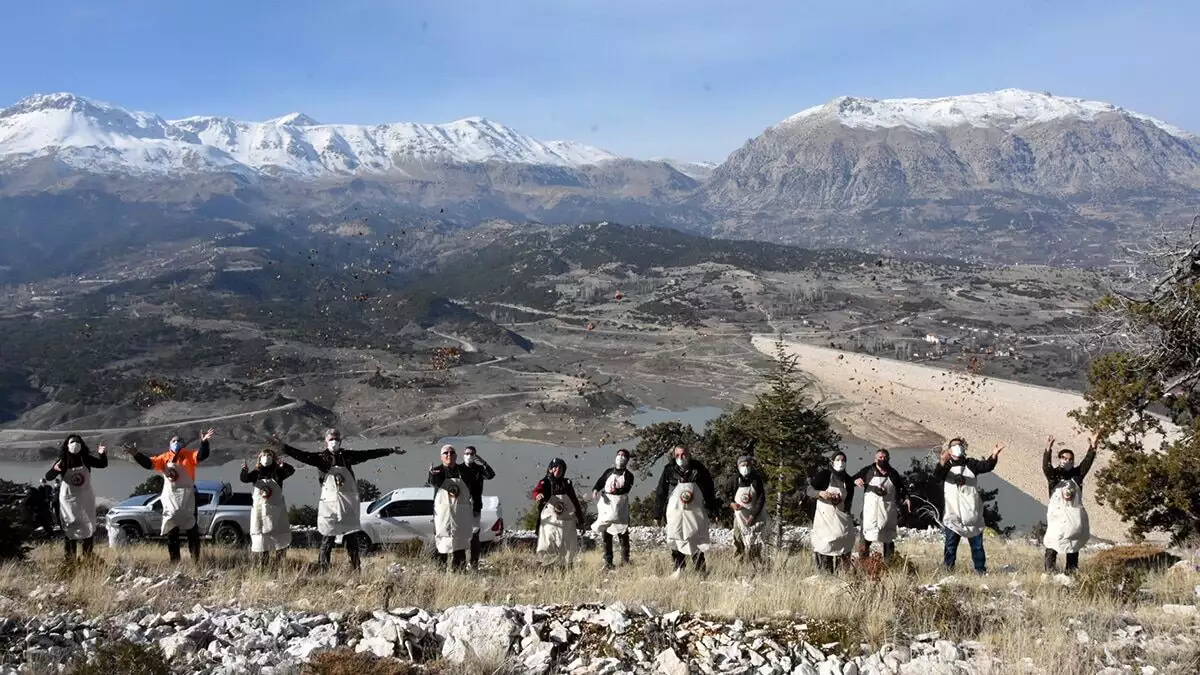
{"x": 1009, "y": 175}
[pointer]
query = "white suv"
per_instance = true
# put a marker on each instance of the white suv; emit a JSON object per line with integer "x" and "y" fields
{"x": 406, "y": 514}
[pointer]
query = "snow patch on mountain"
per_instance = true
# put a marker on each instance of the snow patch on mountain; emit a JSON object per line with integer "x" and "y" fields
{"x": 1006, "y": 109}
{"x": 94, "y": 135}
{"x": 697, "y": 170}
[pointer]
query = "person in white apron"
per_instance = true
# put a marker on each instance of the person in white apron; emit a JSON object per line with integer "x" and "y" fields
{"x": 747, "y": 494}
{"x": 76, "y": 497}
{"x": 686, "y": 502}
{"x": 475, "y": 472}
{"x": 270, "y": 529}
{"x": 453, "y": 509}
{"x": 611, "y": 495}
{"x": 1067, "y": 526}
{"x": 338, "y": 505}
{"x": 962, "y": 502}
{"x": 833, "y": 531}
{"x": 884, "y": 490}
{"x": 560, "y": 517}
{"x": 178, "y": 468}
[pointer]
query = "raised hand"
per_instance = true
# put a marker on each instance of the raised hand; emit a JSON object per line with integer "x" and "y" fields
{"x": 101, "y": 449}
{"x": 58, "y": 466}
{"x": 1050, "y": 441}
{"x": 998, "y": 449}
{"x": 129, "y": 448}
{"x": 208, "y": 434}
{"x": 1094, "y": 441}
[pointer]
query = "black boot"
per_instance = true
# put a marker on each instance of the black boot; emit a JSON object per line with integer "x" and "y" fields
{"x": 608, "y": 551}
{"x": 1051, "y": 560}
{"x": 624, "y": 539}
{"x": 173, "y": 545}
{"x": 326, "y": 554}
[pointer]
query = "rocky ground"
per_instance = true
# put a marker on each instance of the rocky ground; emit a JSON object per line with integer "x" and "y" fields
{"x": 516, "y": 618}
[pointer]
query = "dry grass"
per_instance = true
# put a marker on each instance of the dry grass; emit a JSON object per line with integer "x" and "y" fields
{"x": 1016, "y": 614}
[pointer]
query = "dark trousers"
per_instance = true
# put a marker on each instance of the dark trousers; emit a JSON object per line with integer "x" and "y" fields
{"x": 1052, "y": 561}
{"x": 679, "y": 561}
{"x": 70, "y": 546}
{"x": 889, "y": 548}
{"x": 350, "y": 541}
{"x": 978, "y": 557}
{"x": 753, "y": 552}
{"x": 268, "y": 559}
{"x": 476, "y": 547}
{"x": 827, "y": 563}
{"x": 193, "y": 541}
{"x": 623, "y": 538}
{"x": 458, "y": 561}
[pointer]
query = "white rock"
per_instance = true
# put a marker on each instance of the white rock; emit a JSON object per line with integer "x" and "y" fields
{"x": 377, "y": 646}
{"x": 176, "y": 646}
{"x": 947, "y": 651}
{"x": 484, "y": 632}
{"x": 538, "y": 657}
{"x": 668, "y": 663}
{"x": 1179, "y": 610}
{"x": 851, "y": 668}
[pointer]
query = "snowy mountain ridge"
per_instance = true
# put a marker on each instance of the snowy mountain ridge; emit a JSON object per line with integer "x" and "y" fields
{"x": 94, "y": 135}
{"x": 1006, "y": 109}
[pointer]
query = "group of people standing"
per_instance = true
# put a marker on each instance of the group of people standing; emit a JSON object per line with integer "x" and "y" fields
{"x": 684, "y": 503}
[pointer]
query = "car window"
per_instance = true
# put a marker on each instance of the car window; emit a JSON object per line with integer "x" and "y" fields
{"x": 408, "y": 508}
{"x": 378, "y": 503}
{"x": 140, "y": 500}
{"x": 203, "y": 498}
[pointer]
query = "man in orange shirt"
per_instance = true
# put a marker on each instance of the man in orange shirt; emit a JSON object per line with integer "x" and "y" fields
{"x": 178, "y": 467}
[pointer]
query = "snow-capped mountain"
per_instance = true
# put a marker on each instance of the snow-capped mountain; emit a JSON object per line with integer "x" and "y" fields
{"x": 698, "y": 170}
{"x": 95, "y": 136}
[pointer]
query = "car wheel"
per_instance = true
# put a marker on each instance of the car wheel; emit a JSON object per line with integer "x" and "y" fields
{"x": 228, "y": 534}
{"x": 133, "y": 531}
{"x": 365, "y": 544}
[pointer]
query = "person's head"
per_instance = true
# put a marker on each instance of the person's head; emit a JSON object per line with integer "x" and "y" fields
{"x": 469, "y": 454}
{"x": 882, "y": 458}
{"x": 267, "y": 457}
{"x": 745, "y": 464}
{"x": 682, "y": 456}
{"x": 838, "y": 461}
{"x": 958, "y": 448}
{"x": 622, "y": 459}
{"x": 557, "y": 468}
{"x": 176, "y": 443}
{"x": 1066, "y": 458}
{"x": 73, "y": 445}
{"x": 449, "y": 455}
{"x": 333, "y": 440}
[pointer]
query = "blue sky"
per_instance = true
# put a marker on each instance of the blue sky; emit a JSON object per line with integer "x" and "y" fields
{"x": 688, "y": 79}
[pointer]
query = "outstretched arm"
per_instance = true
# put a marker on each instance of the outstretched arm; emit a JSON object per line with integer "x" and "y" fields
{"x": 1086, "y": 465}
{"x": 313, "y": 459}
{"x": 98, "y": 460}
{"x": 1047, "y": 468}
{"x": 204, "y": 447}
{"x": 360, "y": 456}
{"x": 286, "y": 471}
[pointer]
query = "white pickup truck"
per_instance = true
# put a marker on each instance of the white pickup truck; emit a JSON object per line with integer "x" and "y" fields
{"x": 406, "y": 514}
{"x": 223, "y": 515}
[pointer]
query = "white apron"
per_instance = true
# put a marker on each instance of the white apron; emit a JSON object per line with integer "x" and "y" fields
{"x": 269, "y": 526}
{"x": 453, "y": 518}
{"x": 963, "y": 504}
{"x": 557, "y": 530}
{"x": 1067, "y": 527}
{"x": 337, "y": 510}
{"x": 77, "y": 504}
{"x": 178, "y": 499}
{"x": 881, "y": 515}
{"x": 612, "y": 510}
{"x": 751, "y": 533}
{"x": 687, "y": 520}
{"x": 833, "y": 529}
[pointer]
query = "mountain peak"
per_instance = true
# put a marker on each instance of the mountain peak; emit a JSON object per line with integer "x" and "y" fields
{"x": 294, "y": 119}
{"x": 1002, "y": 109}
{"x": 54, "y": 101}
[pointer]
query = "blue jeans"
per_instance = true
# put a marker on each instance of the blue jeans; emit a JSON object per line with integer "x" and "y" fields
{"x": 977, "y": 555}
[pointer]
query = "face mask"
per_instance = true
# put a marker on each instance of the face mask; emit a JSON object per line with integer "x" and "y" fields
{"x": 681, "y": 462}
{"x": 957, "y": 450}
{"x": 468, "y": 459}
{"x": 266, "y": 460}
{"x": 620, "y": 461}
{"x": 1066, "y": 464}
{"x": 839, "y": 465}
{"x": 333, "y": 444}
{"x": 744, "y": 470}
{"x": 882, "y": 463}
{"x": 176, "y": 446}
{"x": 74, "y": 447}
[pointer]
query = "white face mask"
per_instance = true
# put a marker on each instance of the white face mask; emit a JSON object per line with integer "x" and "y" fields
{"x": 266, "y": 460}
{"x": 176, "y": 446}
{"x": 74, "y": 447}
{"x": 957, "y": 450}
{"x": 333, "y": 444}
{"x": 744, "y": 470}
{"x": 839, "y": 465}
{"x": 620, "y": 461}
{"x": 681, "y": 462}
{"x": 469, "y": 458}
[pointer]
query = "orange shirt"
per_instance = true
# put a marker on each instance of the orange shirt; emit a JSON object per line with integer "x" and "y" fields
{"x": 184, "y": 458}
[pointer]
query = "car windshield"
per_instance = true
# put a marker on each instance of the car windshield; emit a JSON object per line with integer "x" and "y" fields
{"x": 375, "y": 505}
{"x": 139, "y": 500}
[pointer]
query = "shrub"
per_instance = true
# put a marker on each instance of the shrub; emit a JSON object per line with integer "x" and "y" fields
{"x": 122, "y": 657}
{"x": 367, "y": 491}
{"x": 151, "y": 486}
{"x": 305, "y": 516}
{"x": 14, "y": 522}
{"x": 349, "y": 662}
{"x": 1112, "y": 580}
